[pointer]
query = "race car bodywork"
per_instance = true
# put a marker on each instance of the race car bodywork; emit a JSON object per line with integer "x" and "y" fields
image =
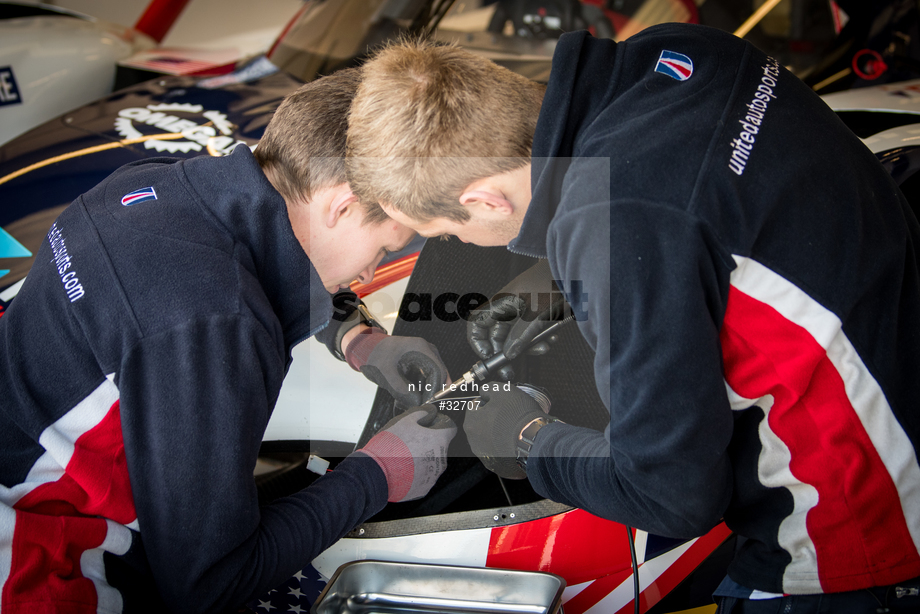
{"x": 325, "y": 410}
{"x": 53, "y": 60}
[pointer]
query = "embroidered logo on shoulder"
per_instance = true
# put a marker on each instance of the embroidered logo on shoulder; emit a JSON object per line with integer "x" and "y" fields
{"x": 675, "y": 65}
{"x": 138, "y": 196}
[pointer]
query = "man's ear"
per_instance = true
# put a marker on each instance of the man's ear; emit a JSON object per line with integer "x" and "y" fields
{"x": 493, "y": 200}
{"x": 341, "y": 197}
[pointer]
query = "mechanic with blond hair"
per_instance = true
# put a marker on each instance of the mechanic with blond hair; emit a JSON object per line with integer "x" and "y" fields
{"x": 752, "y": 290}
{"x": 143, "y": 357}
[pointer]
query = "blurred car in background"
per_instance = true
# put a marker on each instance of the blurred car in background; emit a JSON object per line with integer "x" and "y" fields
{"x": 53, "y": 60}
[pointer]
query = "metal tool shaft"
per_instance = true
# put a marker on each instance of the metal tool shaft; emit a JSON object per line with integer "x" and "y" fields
{"x": 481, "y": 370}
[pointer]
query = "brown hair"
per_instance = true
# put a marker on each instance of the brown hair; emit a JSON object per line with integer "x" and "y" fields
{"x": 303, "y": 148}
{"x": 424, "y": 117}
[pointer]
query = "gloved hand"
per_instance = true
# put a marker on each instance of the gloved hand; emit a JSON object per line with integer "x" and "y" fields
{"x": 393, "y": 363}
{"x": 515, "y": 315}
{"x": 411, "y": 449}
{"x": 494, "y": 429}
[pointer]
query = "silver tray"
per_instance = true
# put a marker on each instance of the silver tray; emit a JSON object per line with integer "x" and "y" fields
{"x": 383, "y": 587}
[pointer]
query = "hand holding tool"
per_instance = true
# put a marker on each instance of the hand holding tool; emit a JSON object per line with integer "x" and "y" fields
{"x": 411, "y": 449}
{"x": 403, "y": 366}
{"x": 515, "y": 315}
{"x": 501, "y": 431}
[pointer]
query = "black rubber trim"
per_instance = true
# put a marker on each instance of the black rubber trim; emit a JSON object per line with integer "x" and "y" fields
{"x": 478, "y": 519}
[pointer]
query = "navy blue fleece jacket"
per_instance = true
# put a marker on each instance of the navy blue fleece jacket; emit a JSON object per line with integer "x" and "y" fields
{"x": 753, "y": 297}
{"x": 141, "y": 362}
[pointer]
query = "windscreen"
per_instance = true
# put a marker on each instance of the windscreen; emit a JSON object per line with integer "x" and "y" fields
{"x": 519, "y": 34}
{"x": 329, "y": 35}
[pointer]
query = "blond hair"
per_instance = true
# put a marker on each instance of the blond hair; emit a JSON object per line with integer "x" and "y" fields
{"x": 428, "y": 120}
{"x": 303, "y": 148}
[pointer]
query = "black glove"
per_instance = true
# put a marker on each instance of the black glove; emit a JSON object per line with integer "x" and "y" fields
{"x": 409, "y": 368}
{"x": 494, "y": 429}
{"x": 520, "y": 311}
{"x": 411, "y": 449}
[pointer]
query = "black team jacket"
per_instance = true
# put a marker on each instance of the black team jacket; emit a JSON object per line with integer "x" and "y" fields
{"x": 750, "y": 278}
{"x": 139, "y": 366}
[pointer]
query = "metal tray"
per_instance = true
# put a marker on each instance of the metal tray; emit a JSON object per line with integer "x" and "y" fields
{"x": 384, "y": 587}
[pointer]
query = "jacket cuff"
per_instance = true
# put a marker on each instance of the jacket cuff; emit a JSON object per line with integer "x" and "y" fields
{"x": 359, "y": 350}
{"x": 344, "y": 317}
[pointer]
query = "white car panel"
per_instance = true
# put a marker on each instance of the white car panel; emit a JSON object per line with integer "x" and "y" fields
{"x": 52, "y": 64}
{"x": 901, "y": 97}
{"x": 322, "y": 398}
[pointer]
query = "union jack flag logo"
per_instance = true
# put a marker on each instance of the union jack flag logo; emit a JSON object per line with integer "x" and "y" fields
{"x": 138, "y": 196}
{"x": 675, "y": 65}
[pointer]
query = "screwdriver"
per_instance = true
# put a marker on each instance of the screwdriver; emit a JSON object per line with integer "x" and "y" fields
{"x": 481, "y": 370}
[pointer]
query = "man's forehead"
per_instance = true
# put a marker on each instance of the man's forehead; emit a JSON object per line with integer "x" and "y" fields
{"x": 429, "y": 228}
{"x": 395, "y": 235}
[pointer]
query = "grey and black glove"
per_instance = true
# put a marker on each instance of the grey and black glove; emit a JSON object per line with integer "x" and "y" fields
{"x": 494, "y": 429}
{"x": 411, "y": 449}
{"x": 520, "y": 311}
{"x": 409, "y": 368}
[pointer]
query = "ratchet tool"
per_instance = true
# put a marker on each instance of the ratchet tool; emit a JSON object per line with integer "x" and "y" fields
{"x": 481, "y": 370}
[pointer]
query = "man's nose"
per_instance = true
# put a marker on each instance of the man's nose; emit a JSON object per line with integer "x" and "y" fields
{"x": 367, "y": 275}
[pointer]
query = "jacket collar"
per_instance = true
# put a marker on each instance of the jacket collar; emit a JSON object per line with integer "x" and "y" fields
{"x": 572, "y": 100}
{"x": 552, "y": 147}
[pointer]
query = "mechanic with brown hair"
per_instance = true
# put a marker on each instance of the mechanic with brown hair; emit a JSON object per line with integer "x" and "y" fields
{"x": 752, "y": 289}
{"x": 143, "y": 357}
